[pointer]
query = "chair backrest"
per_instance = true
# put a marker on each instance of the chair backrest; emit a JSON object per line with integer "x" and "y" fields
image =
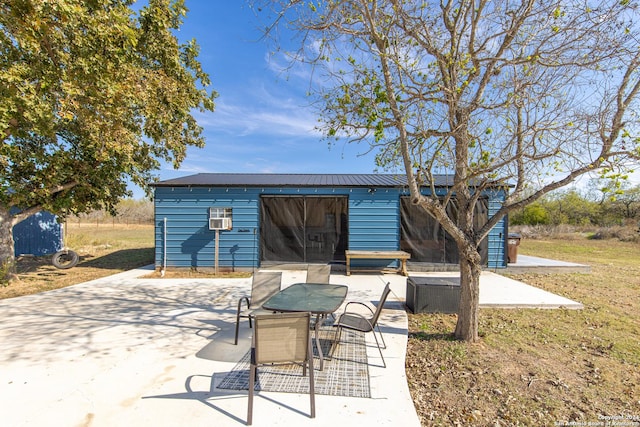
{"x": 282, "y": 337}
{"x": 265, "y": 284}
{"x": 383, "y": 298}
{"x": 318, "y": 273}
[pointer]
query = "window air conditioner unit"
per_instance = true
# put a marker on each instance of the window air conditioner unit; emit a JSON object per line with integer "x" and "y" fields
{"x": 219, "y": 223}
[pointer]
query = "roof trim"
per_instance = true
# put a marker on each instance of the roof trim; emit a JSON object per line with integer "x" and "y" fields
{"x": 295, "y": 180}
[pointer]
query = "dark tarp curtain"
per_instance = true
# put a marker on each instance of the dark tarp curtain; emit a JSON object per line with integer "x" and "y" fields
{"x": 303, "y": 228}
{"x": 425, "y": 239}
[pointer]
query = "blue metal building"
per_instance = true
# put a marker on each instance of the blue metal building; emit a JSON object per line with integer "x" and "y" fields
{"x": 266, "y": 219}
{"x": 38, "y": 235}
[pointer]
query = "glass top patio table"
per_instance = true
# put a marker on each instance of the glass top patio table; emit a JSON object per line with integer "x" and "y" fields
{"x": 317, "y": 298}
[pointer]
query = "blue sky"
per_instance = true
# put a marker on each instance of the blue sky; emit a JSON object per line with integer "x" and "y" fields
{"x": 262, "y": 122}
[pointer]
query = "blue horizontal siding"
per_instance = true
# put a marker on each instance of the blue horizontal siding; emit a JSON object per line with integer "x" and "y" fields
{"x": 497, "y": 236}
{"x": 38, "y": 235}
{"x": 190, "y": 243}
{"x": 374, "y": 224}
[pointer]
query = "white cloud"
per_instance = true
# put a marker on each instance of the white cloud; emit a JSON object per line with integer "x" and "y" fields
{"x": 260, "y": 112}
{"x": 284, "y": 65}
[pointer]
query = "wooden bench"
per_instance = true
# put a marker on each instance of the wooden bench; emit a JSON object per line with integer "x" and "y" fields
{"x": 402, "y": 256}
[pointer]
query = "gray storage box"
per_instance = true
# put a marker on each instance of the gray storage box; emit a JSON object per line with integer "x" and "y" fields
{"x": 433, "y": 294}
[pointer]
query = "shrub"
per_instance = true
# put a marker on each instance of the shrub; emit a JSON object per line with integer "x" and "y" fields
{"x": 624, "y": 234}
{"x": 534, "y": 214}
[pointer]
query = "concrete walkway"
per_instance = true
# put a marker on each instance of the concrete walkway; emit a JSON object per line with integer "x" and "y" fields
{"x": 532, "y": 264}
{"x": 125, "y": 351}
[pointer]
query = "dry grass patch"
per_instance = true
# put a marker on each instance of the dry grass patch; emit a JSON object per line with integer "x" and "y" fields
{"x": 539, "y": 367}
{"x": 103, "y": 250}
{"x": 197, "y": 273}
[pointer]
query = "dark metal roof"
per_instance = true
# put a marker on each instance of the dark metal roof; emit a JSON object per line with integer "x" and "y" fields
{"x": 293, "y": 180}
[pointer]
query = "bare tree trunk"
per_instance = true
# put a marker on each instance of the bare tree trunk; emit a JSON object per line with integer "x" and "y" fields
{"x": 470, "y": 270}
{"x": 7, "y": 257}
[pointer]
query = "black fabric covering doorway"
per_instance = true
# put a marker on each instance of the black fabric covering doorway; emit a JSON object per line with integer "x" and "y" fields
{"x": 303, "y": 229}
{"x": 425, "y": 239}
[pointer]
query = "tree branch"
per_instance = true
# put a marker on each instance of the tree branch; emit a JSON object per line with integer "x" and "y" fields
{"x": 27, "y": 212}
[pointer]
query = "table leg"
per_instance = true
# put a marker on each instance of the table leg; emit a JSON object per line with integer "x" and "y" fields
{"x": 319, "y": 347}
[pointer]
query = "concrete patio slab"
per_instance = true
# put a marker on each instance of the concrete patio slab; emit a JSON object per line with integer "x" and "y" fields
{"x": 128, "y": 351}
{"x": 497, "y": 291}
{"x": 124, "y": 351}
{"x": 532, "y": 264}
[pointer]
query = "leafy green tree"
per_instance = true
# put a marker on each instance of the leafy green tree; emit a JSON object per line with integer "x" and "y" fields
{"x": 571, "y": 207}
{"x": 601, "y": 189}
{"x": 619, "y": 200}
{"x": 521, "y": 96}
{"x": 626, "y": 205}
{"x": 533, "y": 214}
{"x": 91, "y": 94}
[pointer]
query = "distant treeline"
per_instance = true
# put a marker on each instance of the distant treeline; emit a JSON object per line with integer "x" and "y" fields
{"x": 589, "y": 208}
{"x": 129, "y": 211}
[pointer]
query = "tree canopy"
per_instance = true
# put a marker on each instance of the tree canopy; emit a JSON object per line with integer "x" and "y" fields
{"x": 92, "y": 94}
{"x": 520, "y": 96}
